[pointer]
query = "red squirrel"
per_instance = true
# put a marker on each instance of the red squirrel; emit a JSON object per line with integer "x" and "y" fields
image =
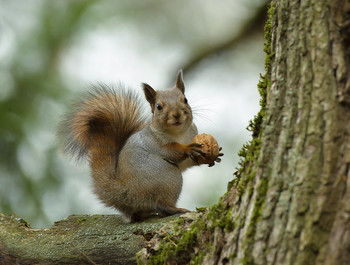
{"x": 136, "y": 164}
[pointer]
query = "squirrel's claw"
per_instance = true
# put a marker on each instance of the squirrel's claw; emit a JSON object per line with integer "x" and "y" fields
{"x": 217, "y": 160}
{"x": 196, "y": 145}
{"x": 196, "y": 148}
{"x": 220, "y": 154}
{"x": 196, "y": 152}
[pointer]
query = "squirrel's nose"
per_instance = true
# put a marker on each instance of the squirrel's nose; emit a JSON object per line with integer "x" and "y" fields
{"x": 176, "y": 115}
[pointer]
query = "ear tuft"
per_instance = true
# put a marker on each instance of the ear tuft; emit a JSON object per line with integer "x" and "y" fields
{"x": 150, "y": 94}
{"x": 180, "y": 82}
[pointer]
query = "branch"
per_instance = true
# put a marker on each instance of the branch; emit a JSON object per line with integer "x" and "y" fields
{"x": 255, "y": 24}
{"x": 80, "y": 239}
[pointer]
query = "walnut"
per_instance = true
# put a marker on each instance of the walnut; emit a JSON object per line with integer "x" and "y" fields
{"x": 210, "y": 146}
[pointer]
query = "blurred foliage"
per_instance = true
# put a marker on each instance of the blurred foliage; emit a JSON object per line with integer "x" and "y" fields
{"x": 27, "y": 104}
{"x": 32, "y": 90}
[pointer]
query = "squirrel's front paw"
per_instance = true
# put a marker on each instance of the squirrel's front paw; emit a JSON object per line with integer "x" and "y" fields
{"x": 196, "y": 153}
{"x": 211, "y": 147}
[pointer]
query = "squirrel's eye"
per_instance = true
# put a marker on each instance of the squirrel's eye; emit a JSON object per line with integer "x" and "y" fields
{"x": 185, "y": 100}
{"x": 159, "y": 107}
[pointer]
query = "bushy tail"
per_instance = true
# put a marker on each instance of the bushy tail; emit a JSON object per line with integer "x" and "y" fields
{"x": 100, "y": 125}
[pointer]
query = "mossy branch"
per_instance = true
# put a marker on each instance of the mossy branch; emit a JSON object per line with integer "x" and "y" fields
{"x": 80, "y": 239}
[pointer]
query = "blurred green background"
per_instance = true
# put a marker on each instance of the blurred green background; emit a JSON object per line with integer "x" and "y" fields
{"x": 51, "y": 51}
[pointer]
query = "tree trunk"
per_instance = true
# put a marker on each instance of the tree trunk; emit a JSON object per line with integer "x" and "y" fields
{"x": 290, "y": 200}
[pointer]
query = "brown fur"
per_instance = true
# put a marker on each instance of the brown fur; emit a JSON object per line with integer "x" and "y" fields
{"x": 105, "y": 118}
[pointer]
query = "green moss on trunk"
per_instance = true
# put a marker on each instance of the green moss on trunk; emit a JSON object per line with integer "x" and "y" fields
{"x": 200, "y": 241}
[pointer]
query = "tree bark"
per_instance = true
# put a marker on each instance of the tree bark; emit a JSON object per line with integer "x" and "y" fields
{"x": 80, "y": 239}
{"x": 289, "y": 202}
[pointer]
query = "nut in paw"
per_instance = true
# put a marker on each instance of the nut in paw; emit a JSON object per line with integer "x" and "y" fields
{"x": 210, "y": 146}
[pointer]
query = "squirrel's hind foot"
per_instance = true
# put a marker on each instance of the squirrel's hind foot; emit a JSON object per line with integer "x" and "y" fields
{"x": 162, "y": 211}
{"x": 169, "y": 210}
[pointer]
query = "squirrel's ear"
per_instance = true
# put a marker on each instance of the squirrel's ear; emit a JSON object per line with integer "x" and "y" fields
{"x": 150, "y": 94}
{"x": 180, "y": 82}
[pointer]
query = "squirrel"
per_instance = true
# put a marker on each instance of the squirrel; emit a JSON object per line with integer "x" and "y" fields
{"x": 136, "y": 164}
